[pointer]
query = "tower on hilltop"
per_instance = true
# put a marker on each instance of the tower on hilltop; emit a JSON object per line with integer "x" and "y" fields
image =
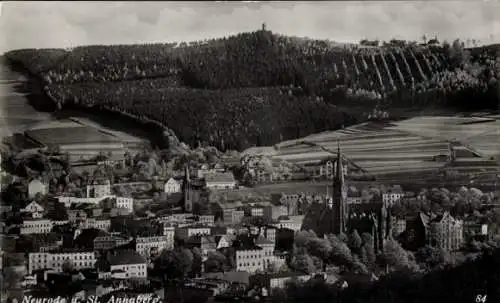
{"x": 264, "y": 27}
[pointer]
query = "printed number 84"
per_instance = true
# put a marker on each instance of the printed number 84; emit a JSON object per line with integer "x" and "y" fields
{"x": 481, "y": 298}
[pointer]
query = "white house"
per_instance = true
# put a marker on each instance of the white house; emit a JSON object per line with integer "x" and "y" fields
{"x": 173, "y": 186}
{"x": 36, "y": 186}
{"x": 35, "y": 209}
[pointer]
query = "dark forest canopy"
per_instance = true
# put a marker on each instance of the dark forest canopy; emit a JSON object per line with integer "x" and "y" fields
{"x": 271, "y": 87}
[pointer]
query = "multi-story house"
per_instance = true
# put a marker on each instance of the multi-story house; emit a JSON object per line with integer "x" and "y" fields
{"x": 34, "y": 209}
{"x": 55, "y": 261}
{"x": 249, "y": 257}
{"x": 208, "y": 220}
{"x": 392, "y": 195}
{"x": 169, "y": 234}
{"x": 194, "y": 230}
{"x": 445, "y": 232}
{"x": 173, "y": 186}
{"x": 145, "y": 246}
{"x": 267, "y": 249}
{"x": 257, "y": 211}
{"x": 38, "y": 226}
{"x": 98, "y": 187}
{"x": 109, "y": 242}
{"x": 103, "y": 224}
{"x": 398, "y": 225}
{"x": 232, "y": 216}
{"x": 125, "y": 202}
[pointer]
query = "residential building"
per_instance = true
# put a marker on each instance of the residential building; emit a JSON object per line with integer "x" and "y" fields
{"x": 38, "y": 226}
{"x": 290, "y": 222}
{"x": 55, "y": 261}
{"x": 173, "y": 186}
{"x": 250, "y": 259}
{"x": 257, "y": 211}
{"x": 34, "y": 209}
{"x": 169, "y": 234}
{"x": 398, "y": 226}
{"x": 216, "y": 181}
{"x": 98, "y": 187}
{"x": 232, "y": 216}
{"x": 194, "y": 230}
{"x": 109, "y": 242}
{"x": 145, "y": 246}
{"x": 445, "y": 232}
{"x": 208, "y": 220}
{"x": 392, "y": 195}
{"x": 128, "y": 264}
{"x": 267, "y": 248}
{"x": 103, "y": 224}
{"x": 37, "y": 186}
{"x": 125, "y": 202}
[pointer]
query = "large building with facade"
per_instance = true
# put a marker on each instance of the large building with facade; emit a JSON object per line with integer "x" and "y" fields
{"x": 55, "y": 261}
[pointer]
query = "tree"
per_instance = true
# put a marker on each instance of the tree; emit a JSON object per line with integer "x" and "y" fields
{"x": 395, "y": 257}
{"x": 197, "y": 261}
{"x": 340, "y": 253}
{"x": 431, "y": 257}
{"x": 216, "y": 262}
{"x": 302, "y": 237}
{"x": 320, "y": 248}
{"x": 175, "y": 265}
{"x": 303, "y": 262}
{"x": 355, "y": 242}
{"x": 68, "y": 266}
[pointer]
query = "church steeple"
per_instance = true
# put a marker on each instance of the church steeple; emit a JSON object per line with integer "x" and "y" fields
{"x": 339, "y": 196}
{"x": 188, "y": 203}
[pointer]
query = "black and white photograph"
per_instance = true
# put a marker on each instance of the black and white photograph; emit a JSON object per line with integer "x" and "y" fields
{"x": 250, "y": 151}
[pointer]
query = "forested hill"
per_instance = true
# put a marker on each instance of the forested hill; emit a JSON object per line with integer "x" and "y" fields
{"x": 270, "y": 87}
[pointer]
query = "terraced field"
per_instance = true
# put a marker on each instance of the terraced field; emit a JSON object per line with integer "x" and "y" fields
{"x": 404, "y": 147}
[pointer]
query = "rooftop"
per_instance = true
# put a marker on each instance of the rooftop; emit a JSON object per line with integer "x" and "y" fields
{"x": 219, "y": 177}
{"x": 126, "y": 257}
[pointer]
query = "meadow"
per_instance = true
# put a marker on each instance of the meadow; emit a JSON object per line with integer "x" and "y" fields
{"x": 405, "y": 147}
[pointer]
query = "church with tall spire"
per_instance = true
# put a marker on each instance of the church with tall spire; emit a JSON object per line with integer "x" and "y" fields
{"x": 338, "y": 217}
{"x": 333, "y": 218}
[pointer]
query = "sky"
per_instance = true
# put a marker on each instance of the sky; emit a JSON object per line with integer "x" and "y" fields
{"x": 66, "y": 24}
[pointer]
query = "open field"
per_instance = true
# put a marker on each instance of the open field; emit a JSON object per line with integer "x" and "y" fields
{"x": 403, "y": 147}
